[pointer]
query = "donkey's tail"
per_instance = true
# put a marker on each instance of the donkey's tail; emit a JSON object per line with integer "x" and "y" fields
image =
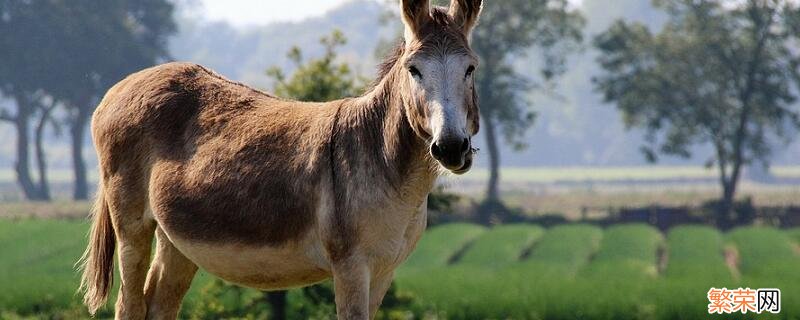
{"x": 97, "y": 261}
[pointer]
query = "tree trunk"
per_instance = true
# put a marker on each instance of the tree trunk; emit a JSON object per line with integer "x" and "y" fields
{"x": 729, "y": 183}
{"x": 725, "y": 208}
{"x": 22, "y": 165}
{"x": 41, "y": 158}
{"x": 77, "y": 130}
{"x": 277, "y": 302}
{"x": 492, "y": 194}
{"x": 492, "y": 210}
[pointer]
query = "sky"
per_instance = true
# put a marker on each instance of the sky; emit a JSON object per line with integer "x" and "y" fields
{"x": 243, "y": 13}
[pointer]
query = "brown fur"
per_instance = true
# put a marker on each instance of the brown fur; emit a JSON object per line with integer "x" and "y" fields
{"x": 206, "y": 162}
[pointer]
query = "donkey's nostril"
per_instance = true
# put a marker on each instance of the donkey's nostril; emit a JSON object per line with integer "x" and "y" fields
{"x": 436, "y": 151}
{"x": 465, "y": 145}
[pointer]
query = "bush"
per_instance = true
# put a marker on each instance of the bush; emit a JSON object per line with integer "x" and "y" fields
{"x": 220, "y": 300}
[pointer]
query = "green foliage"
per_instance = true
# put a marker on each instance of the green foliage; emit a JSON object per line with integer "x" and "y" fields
{"x": 794, "y": 233}
{"x": 686, "y": 82}
{"x": 70, "y": 53}
{"x": 38, "y": 255}
{"x": 221, "y": 300}
{"x": 314, "y": 302}
{"x": 630, "y": 249}
{"x": 441, "y": 200}
{"x": 322, "y": 79}
{"x": 719, "y": 73}
{"x": 764, "y": 252}
{"x": 501, "y": 245}
{"x": 506, "y": 30}
{"x": 565, "y": 249}
{"x": 439, "y": 245}
{"x": 696, "y": 250}
{"x": 629, "y": 241}
{"x": 75, "y": 51}
{"x": 440, "y": 204}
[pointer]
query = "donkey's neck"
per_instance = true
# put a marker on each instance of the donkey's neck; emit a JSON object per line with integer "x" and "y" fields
{"x": 382, "y": 139}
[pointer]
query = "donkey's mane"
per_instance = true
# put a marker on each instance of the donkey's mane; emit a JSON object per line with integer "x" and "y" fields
{"x": 385, "y": 67}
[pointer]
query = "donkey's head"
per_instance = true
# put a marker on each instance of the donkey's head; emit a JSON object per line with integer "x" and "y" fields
{"x": 438, "y": 74}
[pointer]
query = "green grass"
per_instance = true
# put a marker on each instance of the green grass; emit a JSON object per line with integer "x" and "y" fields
{"x": 628, "y": 250}
{"x": 768, "y": 258}
{"x": 764, "y": 252}
{"x": 696, "y": 251}
{"x": 794, "y": 233}
{"x": 437, "y": 247}
{"x": 564, "y": 249}
{"x": 37, "y": 271}
{"x": 501, "y": 245}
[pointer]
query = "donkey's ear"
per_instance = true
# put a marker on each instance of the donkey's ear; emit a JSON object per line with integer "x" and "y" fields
{"x": 415, "y": 14}
{"x": 465, "y": 13}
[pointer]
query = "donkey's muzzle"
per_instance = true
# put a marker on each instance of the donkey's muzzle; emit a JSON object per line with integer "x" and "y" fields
{"x": 452, "y": 153}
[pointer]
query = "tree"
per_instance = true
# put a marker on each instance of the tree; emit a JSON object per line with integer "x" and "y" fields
{"x": 70, "y": 53}
{"x": 508, "y": 30}
{"x": 720, "y": 73}
{"x": 104, "y": 44}
{"x": 29, "y": 42}
{"x": 322, "y": 79}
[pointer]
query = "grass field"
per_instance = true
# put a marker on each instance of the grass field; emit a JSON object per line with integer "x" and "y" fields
{"x": 464, "y": 271}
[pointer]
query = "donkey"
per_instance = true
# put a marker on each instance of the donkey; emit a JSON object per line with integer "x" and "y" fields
{"x": 272, "y": 193}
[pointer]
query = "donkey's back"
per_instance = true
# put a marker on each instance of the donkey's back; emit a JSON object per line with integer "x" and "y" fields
{"x": 219, "y": 155}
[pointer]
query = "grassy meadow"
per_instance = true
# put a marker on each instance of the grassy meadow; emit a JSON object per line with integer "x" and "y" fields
{"x": 466, "y": 271}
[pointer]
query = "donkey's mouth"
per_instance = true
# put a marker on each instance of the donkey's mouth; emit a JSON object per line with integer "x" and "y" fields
{"x": 464, "y": 168}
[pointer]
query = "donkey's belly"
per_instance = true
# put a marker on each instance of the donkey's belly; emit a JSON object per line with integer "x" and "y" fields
{"x": 262, "y": 267}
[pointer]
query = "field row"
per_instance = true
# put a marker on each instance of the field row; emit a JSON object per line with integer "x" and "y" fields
{"x": 622, "y": 272}
{"x": 640, "y": 249}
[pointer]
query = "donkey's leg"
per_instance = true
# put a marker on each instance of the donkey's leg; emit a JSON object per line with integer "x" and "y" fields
{"x": 169, "y": 278}
{"x": 378, "y": 286}
{"x": 351, "y": 288}
{"x": 134, "y": 233}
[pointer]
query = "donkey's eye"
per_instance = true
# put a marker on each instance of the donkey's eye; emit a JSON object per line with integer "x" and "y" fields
{"x": 470, "y": 70}
{"x": 415, "y": 72}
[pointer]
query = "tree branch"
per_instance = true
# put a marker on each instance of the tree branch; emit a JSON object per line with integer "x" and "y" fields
{"x": 761, "y": 34}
